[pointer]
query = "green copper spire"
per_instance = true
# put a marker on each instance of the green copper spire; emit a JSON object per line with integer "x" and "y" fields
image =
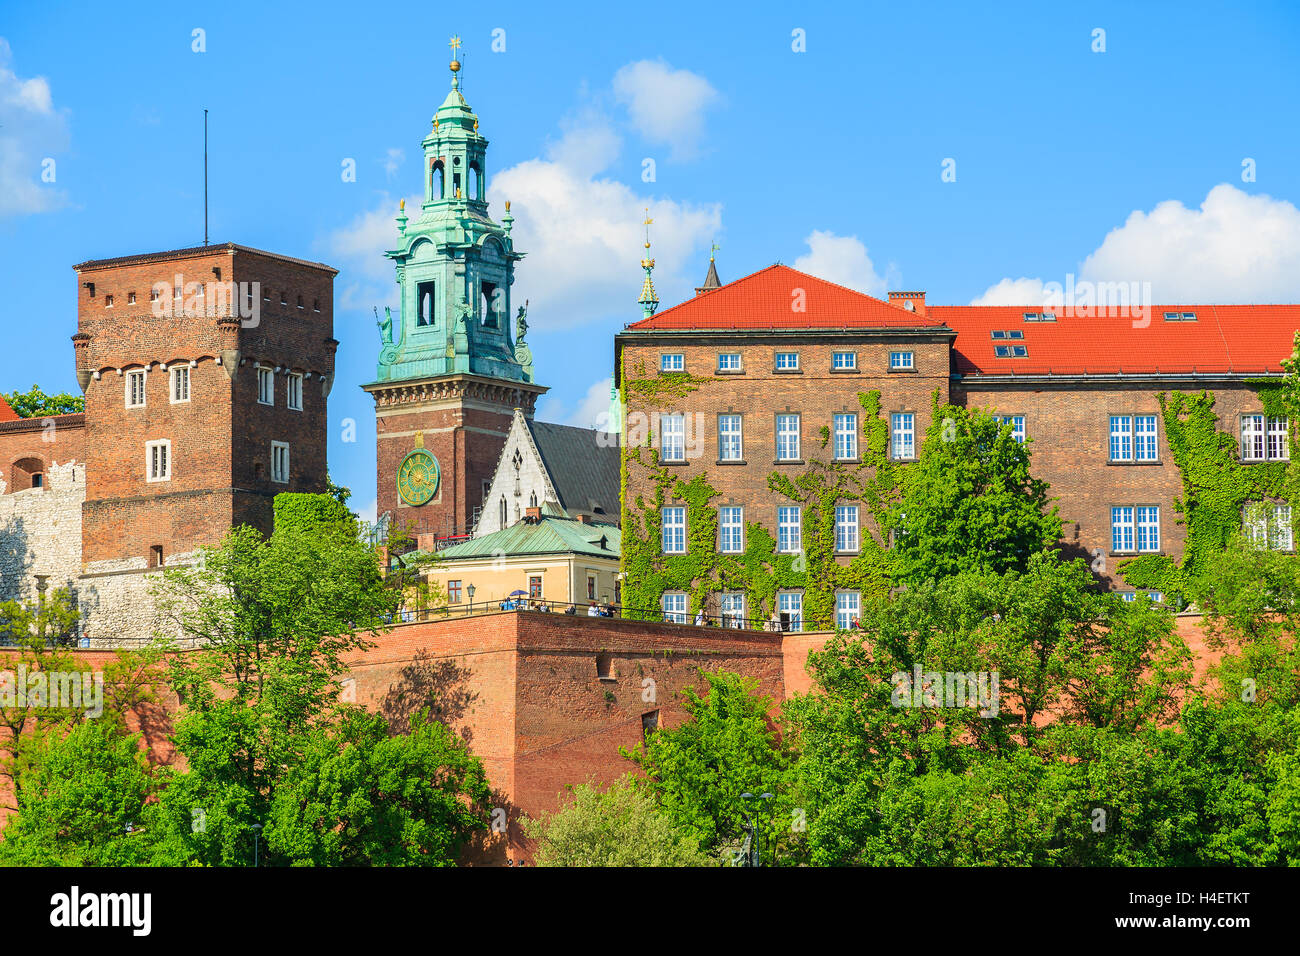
{"x": 454, "y": 264}
{"x": 649, "y": 301}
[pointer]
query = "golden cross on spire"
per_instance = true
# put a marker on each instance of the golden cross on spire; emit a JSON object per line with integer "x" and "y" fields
{"x": 648, "y": 223}
{"x": 454, "y": 43}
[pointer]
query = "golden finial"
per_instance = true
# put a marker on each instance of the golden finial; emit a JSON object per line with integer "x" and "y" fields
{"x": 455, "y": 45}
{"x": 507, "y": 205}
{"x": 401, "y": 206}
{"x": 476, "y": 124}
{"x": 457, "y": 192}
{"x": 648, "y": 223}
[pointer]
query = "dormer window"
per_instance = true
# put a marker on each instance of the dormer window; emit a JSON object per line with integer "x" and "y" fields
{"x": 1180, "y": 316}
{"x": 1010, "y": 351}
{"x": 1040, "y": 316}
{"x": 1007, "y": 334}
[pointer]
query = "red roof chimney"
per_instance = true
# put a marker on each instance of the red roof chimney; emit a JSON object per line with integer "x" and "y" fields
{"x": 533, "y": 515}
{"x": 911, "y": 301}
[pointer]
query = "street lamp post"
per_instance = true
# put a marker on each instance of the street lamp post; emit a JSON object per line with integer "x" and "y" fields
{"x": 470, "y": 591}
{"x": 753, "y": 824}
{"x": 257, "y": 833}
{"x": 42, "y": 582}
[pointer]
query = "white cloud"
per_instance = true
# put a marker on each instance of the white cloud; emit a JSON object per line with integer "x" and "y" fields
{"x": 666, "y": 106}
{"x": 1236, "y": 247}
{"x": 591, "y": 412}
{"x": 392, "y": 160}
{"x": 843, "y": 260}
{"x": 31, "y": 131}
{"x": 1022, "y": 291}
{"x": 583, "y": 237}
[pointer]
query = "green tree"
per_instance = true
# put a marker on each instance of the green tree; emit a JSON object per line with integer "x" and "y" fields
{"x": 617, "y": 825}
{"x": 887, "y": 781}
{"x": 41, "y": 634}
{"x": 361, "y": 797}
{"x": 969, "y": 503}
{"x": 272, "y": 620}
{"x": 34, "y": 403}
{"x": 83, "y": 802}
{"x": 697, "y": 771}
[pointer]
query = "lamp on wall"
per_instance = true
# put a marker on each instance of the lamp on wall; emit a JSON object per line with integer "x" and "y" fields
{"x": 470, "y": 591}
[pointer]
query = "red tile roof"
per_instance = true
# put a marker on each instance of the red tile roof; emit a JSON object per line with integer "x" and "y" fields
{"x": 1224, "y": 339}
{"x": 7, "y": 414}
{"x": 1241, "y": 339}
{"x": 764, "y": 299}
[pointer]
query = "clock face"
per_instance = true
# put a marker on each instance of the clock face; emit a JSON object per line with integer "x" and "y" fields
{"x": 417, "y": 477}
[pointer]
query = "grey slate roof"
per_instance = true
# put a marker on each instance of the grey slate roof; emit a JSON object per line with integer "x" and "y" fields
{"x": 584, "y": 474}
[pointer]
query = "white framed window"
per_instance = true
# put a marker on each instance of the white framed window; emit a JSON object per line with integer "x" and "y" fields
{"x": 789, "y": 608}
{"x": 1121, "y": 438}
{"x": 1279, "y": 528}
{"x": 158, "y": 460}
{"x": 672, "y": 362}
{"x": 672, "y": 437}
{"x": 902, "y": 430}
{"x": 844, "y": 360}
{"x": 180, "y": 376}
{"x": 846, "y": 528}
{"x": 1264, "y": 438}
{"x": 674, "y": 607}
{"x": 730, "y": 446}
{"x": 1040, "y": 316}
{"x": 787, "y": 437}
{"x": 846, "y": 436}
{"x": 731, "y": 529}
{"x": 265, "y": 386}
{"x": 673, "y": 530}
{"x": 789, "y": 529}
{"x": 1278, "y": 444}
{"x": 731, "y": 604}
{"x": 135, "y": 388}
{"x": 729, "y": 362}
{"x": 900, "y": 361}
{"x": 848, "y": 605}
{"x": 1121, "y": 529}
{"x": 1017, "y": 423}
{"x": 280, "y": 461}
{"x": 1148, "y": 528}
{"x": 1144, "y": 438}
{"x": 1010, "y": 351}
{"x": 1267, "y": 525}
{"x": 293, "y": 386}
{"x": 787, "y": 361}
{"x": 1134, "y": 528}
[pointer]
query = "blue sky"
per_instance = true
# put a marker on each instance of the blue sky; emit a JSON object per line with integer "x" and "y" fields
{"x": 1126, "y": 163}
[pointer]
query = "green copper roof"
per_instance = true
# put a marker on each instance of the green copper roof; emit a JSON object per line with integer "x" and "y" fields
{"x": 548, "y": 536}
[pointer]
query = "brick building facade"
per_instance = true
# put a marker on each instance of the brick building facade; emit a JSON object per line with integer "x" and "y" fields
{"x": 752, "y": 379}
{"x": 206, "y": 373}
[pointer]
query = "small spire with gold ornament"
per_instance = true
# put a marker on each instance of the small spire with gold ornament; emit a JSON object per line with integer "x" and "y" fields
{"x": 401, "y": 217}
{"x": 454, "y": 43}
{"x": 649, "y": 301}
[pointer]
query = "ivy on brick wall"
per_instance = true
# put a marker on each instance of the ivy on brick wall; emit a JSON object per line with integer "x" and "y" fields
{"x": 759, "y": 570}
{"x": 1216, "y": 486}
{"x": 653, "y": 389}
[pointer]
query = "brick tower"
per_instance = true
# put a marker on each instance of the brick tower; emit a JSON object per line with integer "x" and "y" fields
{"x": 206, "y": 372}
{"x": 450, "y": 374}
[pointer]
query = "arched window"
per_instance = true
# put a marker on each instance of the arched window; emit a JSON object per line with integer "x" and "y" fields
{"x": 475, "y": 182}
{"x": 504, "y": 514}
{"x": 435, "y": 180}
{"x": 27, "y": 473}
{"x": 532, "y": 500}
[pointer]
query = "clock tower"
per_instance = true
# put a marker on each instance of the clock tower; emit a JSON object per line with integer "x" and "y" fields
{"x": 450, "y": 372}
